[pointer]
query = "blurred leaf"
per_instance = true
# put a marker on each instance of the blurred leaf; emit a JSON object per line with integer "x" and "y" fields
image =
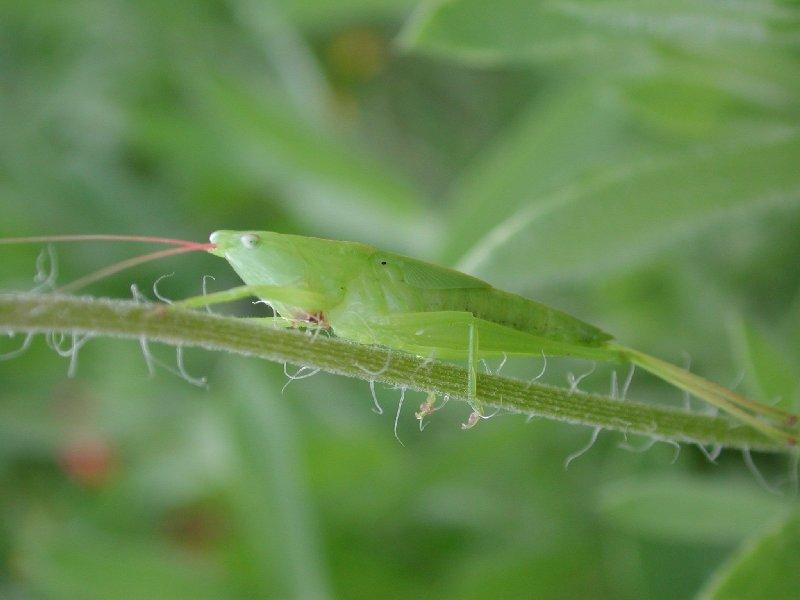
{"x": 267, "y": 496}
{"x": 316, "y": 15}
{"x": 567, "y": 571}
{"x": 77, "y": 562}
{"x": 771, "y": 374}
{"x": 288, "y": 54}
{"x": 568, "y": 131}
{"x": 415, "y": 111}
{"x": 687, "y": 509}
{"x": 334, "y": 187}
{"x": 764, "y": 567}
{"x": 513, "y": 31}
{"x": 625, "y": 217}
{"x": 718, "y": 94}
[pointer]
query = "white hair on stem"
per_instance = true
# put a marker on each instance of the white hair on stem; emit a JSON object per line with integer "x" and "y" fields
{"x": 541, "y": 373}
{"x": 502, "y": 364}
{"x": 299, "y": 374}
{"x": 584, "y": 450}
{"x": 712, "y": 454}
{"x": 149, "y": 360}
{"x": 56, "y": 340}
{"x": 156, "y": 293}
{"x": 499, "y": 368}
{"x": 378, "y": 409}
{"x": 26, "y": 343}
{"x": 46, "y": 269}
{"x": 643, "y": 448}
{"x": 397, "y": 416}
{"x": 751, "y": 465}
{"x": 196, "y": 381}
{"x": 677, "y": 453}
{"x": 78, "y": 342}
{"x": 628, "y": 380}
{"x": 574, "y": 382}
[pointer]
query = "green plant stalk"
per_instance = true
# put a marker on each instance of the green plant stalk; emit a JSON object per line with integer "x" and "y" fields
{"x": 37, "y": 313}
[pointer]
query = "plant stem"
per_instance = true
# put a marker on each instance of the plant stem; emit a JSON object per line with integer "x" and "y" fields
{"x": 34, "y": 313}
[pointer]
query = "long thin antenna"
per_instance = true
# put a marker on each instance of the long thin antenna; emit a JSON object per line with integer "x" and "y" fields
{"x": 44, "y": 239}
{"x": 183, "y": 246}
{"x": 127, "y": 264}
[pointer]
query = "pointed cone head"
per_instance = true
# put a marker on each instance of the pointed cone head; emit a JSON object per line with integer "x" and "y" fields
{"x": 269, "y": 258}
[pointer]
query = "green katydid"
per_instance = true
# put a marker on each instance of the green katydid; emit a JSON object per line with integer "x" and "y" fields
{"x": 371, "y": 296}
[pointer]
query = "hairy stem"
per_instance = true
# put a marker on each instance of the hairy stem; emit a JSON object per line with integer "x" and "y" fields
{"x": 33, "y": 313}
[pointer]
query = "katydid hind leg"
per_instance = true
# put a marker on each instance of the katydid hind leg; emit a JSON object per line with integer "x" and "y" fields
{"x": 446, "y": 333}
{"x": 440, "y": 334}
{"x": 769, "y": 420}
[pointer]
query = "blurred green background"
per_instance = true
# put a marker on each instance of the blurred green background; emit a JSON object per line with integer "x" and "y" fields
{"x": 634, "y": 163}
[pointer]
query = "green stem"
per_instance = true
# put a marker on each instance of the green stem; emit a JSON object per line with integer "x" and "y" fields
{"x": 28, "y": 313}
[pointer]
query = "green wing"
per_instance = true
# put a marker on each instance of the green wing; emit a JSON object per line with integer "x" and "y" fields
{"x": 428, "y": 276}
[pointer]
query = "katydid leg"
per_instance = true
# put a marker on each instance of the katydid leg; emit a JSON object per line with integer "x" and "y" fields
{"x": 295, "y": 297}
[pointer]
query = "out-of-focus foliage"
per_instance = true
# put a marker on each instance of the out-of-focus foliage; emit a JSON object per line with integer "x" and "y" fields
{"x": 635, "y": 163}
{"x": 763, "y": 567}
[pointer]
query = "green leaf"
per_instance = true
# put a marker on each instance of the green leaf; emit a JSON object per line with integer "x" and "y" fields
{"x": 566, "y": 132}
{"x": 510, "y": 31}
{"x": 625, "y": 217}
{"x": 720, "y": 94}
{"x": 335, "y": 188}
{"x": 323, "y": 15}
{"x": 75, "y": 561}
{"x": 267, "y": 496}
{"x": 687, "y": 509}
{"x": 765, "y": 567}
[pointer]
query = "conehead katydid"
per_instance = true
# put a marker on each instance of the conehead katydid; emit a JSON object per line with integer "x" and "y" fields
{"x": 371, "y": 296}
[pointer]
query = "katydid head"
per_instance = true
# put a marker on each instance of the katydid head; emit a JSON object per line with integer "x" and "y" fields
{"x": 257, "y": 256}
{"x": 261, "y": 257}
{"x": 269, "y": 258}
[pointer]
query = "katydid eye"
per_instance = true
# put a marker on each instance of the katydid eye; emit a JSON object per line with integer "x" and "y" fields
{"x": 250, "y": 240}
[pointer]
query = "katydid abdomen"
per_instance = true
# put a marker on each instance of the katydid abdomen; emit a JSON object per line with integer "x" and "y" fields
{"x": 391, "y": 301}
